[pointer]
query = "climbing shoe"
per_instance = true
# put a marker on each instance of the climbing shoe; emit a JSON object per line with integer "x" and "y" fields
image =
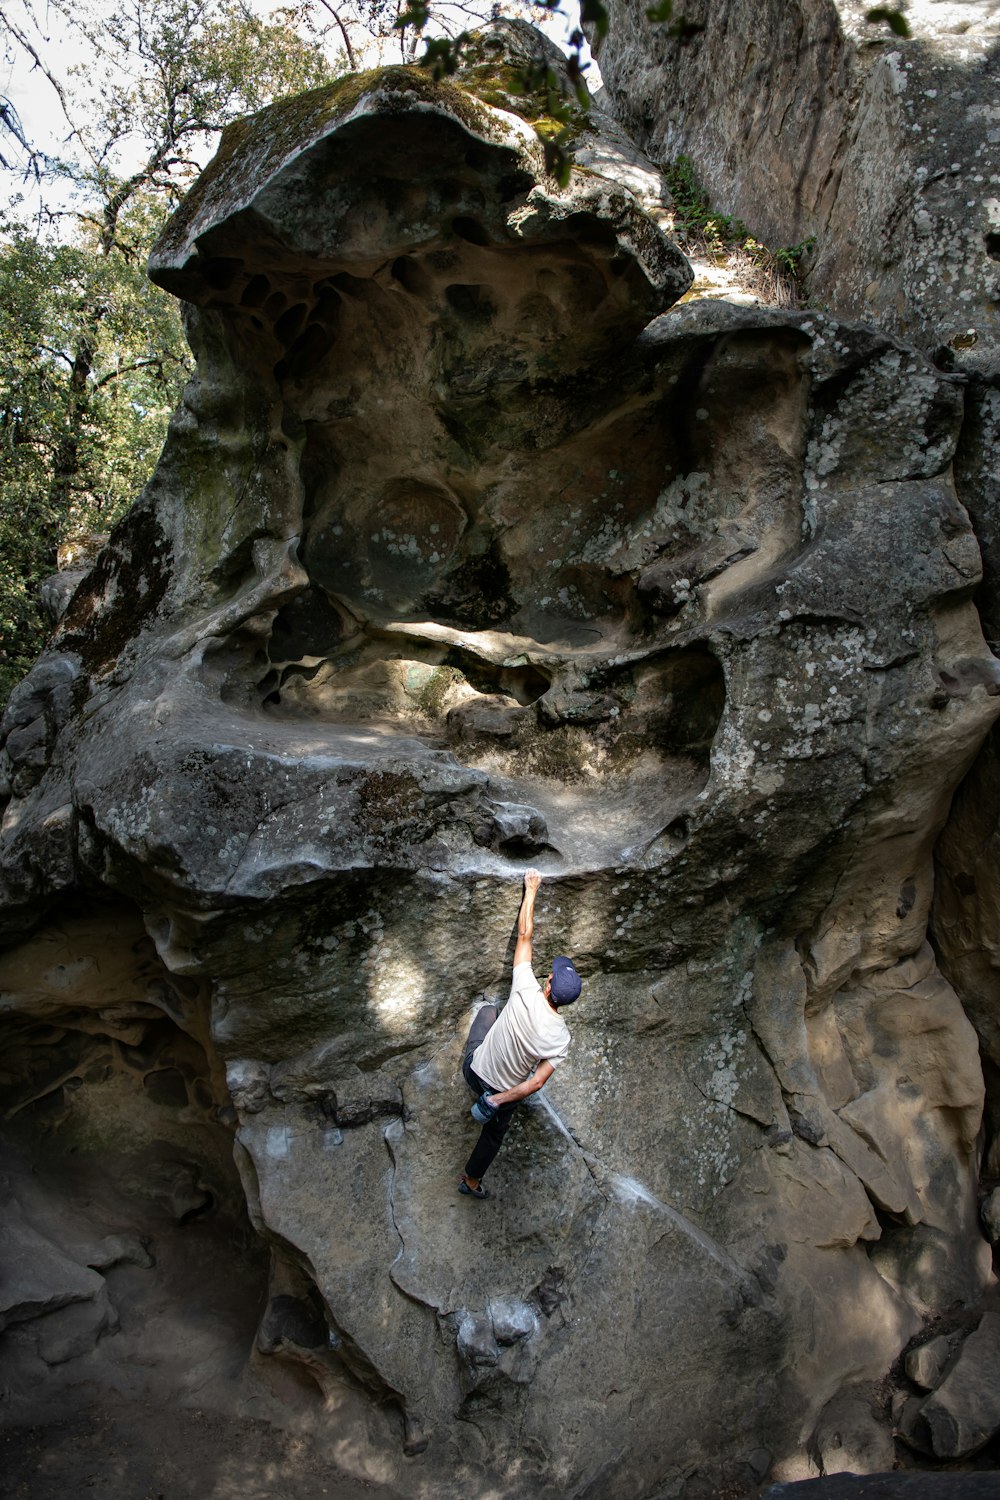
{"x": 471, "y": 1192}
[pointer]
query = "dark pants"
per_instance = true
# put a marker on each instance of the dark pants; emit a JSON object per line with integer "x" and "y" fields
{"x": 491, "y": 1136}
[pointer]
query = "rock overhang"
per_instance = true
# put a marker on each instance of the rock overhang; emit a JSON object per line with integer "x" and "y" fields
{"x": 440, "y": 165}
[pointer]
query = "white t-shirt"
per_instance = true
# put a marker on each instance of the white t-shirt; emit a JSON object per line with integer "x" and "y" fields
{"x": 526, "y": 1032}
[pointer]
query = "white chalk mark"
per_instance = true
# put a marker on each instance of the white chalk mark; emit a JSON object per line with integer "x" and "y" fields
{"x": 630, "y": 1191}
{"x": 557, "y": 1121}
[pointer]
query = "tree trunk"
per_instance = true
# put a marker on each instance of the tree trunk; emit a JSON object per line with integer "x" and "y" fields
{"x": 67, "y": 461}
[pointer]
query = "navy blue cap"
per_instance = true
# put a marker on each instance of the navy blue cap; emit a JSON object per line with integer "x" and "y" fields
{"x": 566, "y": 984}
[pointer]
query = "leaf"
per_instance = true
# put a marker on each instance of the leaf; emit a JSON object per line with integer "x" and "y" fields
{"x": 416, "y": 16}
{"x": 558, "y": 161}
{"x": 894, "y": 19}
{"x": 685, "y": 30}
{"x": 442, "y": 56}
{"x": 662, "y": 12}
{"x": 594, "y": 13}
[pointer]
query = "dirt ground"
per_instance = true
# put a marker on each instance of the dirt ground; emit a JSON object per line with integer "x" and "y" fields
{"x": 167, "y": 1404}
{"x": 140, "y": 1452}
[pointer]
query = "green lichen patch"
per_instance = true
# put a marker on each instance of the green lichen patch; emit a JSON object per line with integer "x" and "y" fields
{"x": 502, "y": 86}
{"x": 536, "y": 89}
{"x": 430, "y": 687}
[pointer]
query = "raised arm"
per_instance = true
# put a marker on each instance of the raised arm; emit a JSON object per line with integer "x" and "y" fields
{"x": 526, "y": 918}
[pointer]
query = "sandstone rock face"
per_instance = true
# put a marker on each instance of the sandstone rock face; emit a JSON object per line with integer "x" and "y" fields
{"x": 805, "y": 120}
{"x": 465, "y": 552}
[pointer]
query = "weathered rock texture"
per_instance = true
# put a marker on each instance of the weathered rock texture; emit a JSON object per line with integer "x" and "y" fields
{"x": 464, "y": 552}
{"x": 806, "y": 120}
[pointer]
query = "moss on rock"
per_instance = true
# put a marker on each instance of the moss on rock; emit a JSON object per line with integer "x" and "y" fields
{"x": 253, "y": 149}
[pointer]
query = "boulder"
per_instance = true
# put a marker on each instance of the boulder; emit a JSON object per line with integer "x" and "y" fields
{"x": 53, "y": 1301}
{"x": 39, "y": 1278}
{"x": 926, "y": 1364}
{"x": 851, "y": 1435}
{"x": 469, "y": 548}
{"x": 963, "y": 1413}
{"x": 880, "y": 148}
{"x": 55, "y": 592}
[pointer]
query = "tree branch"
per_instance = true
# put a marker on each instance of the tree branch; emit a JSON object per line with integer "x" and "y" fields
{"x": 351, "y": 56}
{"x": 57, "y": 353}
{"x": 139, "y": 364}
{"x": 23, "y": 42}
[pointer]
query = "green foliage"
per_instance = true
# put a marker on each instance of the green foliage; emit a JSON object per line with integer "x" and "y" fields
{"x": 416, "y": 15}
{"x": 92, "y": 361}
{"x": 92, "y": 357}
{"x": 782, "y": 264}
{"x": 894, "y": 19}
{"x": 556, "y": 117}
{"x": 790, "y": 257}
{"x": 702, "y": 231}
{"x": 162, "y": 80}
{"x": 694, "y": 218}
{"x": 442, "y": 55}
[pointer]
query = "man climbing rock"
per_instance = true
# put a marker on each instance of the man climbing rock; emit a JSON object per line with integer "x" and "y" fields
{"x": 513, "y": 1054}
